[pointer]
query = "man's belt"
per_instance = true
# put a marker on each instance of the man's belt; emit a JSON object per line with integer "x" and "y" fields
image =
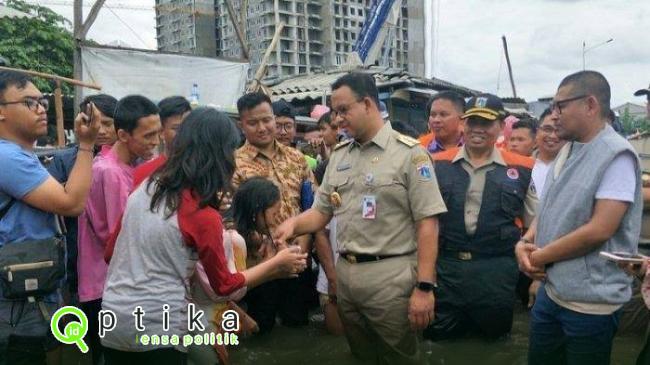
{"x": 469, "y": 255}
{"x": 359, "y": 258}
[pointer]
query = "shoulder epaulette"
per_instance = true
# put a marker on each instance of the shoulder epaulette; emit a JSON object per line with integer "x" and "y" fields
{"x": 342, "y": 144}
{"x": 411, "y": 142}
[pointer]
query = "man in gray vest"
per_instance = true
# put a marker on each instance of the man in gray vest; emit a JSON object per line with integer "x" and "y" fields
{"x": 591, "y": 203}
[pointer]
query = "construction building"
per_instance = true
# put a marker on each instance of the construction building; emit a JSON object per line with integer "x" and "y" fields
{"x": 186, "y": 26}
{"x": 318, "y": 34}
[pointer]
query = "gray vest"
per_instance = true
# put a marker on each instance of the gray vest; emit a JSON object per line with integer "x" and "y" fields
{"x": 568, "y": 203}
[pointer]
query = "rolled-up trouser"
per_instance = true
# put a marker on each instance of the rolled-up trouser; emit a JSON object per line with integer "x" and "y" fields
{"x": 25, "y": 334}
{"x": 474, "y": 297}
{"x": 373, "y": 301}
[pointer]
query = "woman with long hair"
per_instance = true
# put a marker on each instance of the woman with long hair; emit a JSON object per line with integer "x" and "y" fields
{"x": 170, "y": 222}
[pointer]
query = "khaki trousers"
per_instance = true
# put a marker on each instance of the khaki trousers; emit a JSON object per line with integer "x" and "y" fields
{"x": 373, "y": 300}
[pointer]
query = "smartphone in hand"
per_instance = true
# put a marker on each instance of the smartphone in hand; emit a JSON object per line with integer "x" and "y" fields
{"x": 623, "y": 257}
{"x": 88, "y": 110}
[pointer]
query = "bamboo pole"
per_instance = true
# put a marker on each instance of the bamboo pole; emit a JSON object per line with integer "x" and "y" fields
{"x": 238, "y": 31}
{"x": 53, "y": 77}
{"x": 255, "y": 85}
{"x": 58, "y": 106}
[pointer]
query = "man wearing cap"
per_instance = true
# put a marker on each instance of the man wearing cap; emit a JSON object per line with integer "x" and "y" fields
{"x": 645, "y": 92}
{"x": 383, "y": 192}
{"x": 489, "y": 200}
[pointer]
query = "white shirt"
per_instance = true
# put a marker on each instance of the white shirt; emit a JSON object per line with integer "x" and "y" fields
{"x": 540, "y": 170}
{"x": 321, "y": 284}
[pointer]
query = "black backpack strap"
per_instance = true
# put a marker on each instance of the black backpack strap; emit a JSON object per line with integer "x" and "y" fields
{"x": 6, "y": 208}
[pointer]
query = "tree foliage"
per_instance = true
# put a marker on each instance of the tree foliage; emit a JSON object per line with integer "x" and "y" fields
{"x": 42, "y": 43}
{"x": 632, "y": 125}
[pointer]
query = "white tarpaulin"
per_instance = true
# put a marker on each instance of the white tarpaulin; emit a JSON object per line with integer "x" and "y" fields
{"x": 122, "y": 72}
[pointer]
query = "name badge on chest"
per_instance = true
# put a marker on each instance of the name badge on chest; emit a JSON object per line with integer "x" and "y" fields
{"x": 369, "y": 210}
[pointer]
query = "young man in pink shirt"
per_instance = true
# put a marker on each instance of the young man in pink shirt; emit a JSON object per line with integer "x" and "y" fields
{"x": 138, "y": 134}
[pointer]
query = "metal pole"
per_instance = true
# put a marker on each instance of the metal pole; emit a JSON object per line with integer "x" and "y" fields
{"x": 583, "y": 55}
{"x": 512, "y": 81}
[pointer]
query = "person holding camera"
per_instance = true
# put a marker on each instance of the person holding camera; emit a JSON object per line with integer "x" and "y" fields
{"x": 30, "y": 199}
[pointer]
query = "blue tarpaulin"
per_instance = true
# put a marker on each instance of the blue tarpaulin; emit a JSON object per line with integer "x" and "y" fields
{"x": 376, "y": 17}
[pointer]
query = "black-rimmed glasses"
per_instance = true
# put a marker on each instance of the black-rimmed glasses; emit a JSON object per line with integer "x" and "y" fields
{"x": 31, "y": 103}
{"x": 559, "y": 104}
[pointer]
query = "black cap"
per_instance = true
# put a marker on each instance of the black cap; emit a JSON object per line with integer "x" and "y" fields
{"x": 486, "y": 106}
{"x": 642, "y": 92}
{"x": 281, "y": 108}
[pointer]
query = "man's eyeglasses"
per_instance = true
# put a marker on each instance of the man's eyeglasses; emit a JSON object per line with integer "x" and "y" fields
{"x": 286, "y": 126}
{"x": 343, "y": 110}
{"x": 548, "y": 129}
{"x": 31, "y": 103}
{"x": 559, "y": 104}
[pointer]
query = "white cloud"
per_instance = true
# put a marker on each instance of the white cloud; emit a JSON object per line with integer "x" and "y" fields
{"x": 545, "y": 44}
{"x": 544, "y": 39}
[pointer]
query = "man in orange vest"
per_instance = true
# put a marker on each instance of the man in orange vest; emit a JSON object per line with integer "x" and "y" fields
{"x": 445, "y": 122}
{"x": 489, "y": 200}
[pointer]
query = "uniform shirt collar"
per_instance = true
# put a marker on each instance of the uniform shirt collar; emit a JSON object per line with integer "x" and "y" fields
{"x": 495, "y": 157}
{"x": 380, "y": 139}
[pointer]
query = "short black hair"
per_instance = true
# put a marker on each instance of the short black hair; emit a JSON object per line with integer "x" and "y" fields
{"x": 455, "y": 98}
{"x": 590, "y": 83}
{"x": 12, "y": 78}
{"x": 251, "y": 100}
{"x": 526, "y": 123}
{"x": 283, "y": 109}
{"x": 362, "y": 85}
{"x": 130, "y": 109}
{"x": 325, "y": 119}
{"x": 105, "y": 103}
{"x": 545, "y": 114}
{"x": 172, "y": 106}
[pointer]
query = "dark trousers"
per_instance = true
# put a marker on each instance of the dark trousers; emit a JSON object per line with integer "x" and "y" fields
{"x": 91, "y": 309}
{"x": 288, "y": 298}
{"x": 561, "y": 336}
{"x": 164, "y": 356}
{"x": 474, "y": 297}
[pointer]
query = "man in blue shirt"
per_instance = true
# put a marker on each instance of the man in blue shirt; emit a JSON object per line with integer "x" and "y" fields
{"x": 37, "y": 197}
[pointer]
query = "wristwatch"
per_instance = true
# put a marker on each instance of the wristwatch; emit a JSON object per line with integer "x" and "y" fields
{"x": 425, "y": 286}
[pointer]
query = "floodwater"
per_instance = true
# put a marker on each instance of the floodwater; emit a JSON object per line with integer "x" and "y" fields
{"x": 312, "y": 345}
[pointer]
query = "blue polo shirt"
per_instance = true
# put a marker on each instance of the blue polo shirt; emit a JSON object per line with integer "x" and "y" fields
{"x": 20, "y": 173}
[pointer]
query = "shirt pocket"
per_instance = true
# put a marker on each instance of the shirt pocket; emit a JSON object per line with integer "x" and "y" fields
{"x": 389, "y": 192}
{"x": 512, "y": 200}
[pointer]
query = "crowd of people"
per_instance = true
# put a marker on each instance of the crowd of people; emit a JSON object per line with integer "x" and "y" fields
{"x": 161, "y": 207}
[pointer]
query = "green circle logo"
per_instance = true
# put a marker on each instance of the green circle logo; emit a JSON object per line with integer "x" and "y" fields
{"x": 73, "y": 332}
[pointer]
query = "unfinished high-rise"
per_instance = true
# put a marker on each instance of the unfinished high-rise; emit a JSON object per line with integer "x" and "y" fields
{"x": 318, "y": 34}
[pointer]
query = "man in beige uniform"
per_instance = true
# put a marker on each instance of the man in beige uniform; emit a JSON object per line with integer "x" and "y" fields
{"x": 383, "y": 191}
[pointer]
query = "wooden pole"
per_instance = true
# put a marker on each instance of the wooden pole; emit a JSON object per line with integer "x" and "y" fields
{"x": 243, "y": 14}
{"x": 512, "y": 81}
{"x": 76, "y": 57}
{"x": 58, "y": 106}
{"x": 94, "y": 11}
{"x": 53, "y": 77}
{"x": 261, "y": 71}
{"x": 235, "y": 23}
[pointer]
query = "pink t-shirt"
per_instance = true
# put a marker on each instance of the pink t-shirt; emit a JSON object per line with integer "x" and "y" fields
{"x": 112, "y": 182}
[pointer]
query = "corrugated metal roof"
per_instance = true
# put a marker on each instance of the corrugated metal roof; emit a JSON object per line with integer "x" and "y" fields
{"x": 7, "y": 12}
{"x": 313, "y": 86}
